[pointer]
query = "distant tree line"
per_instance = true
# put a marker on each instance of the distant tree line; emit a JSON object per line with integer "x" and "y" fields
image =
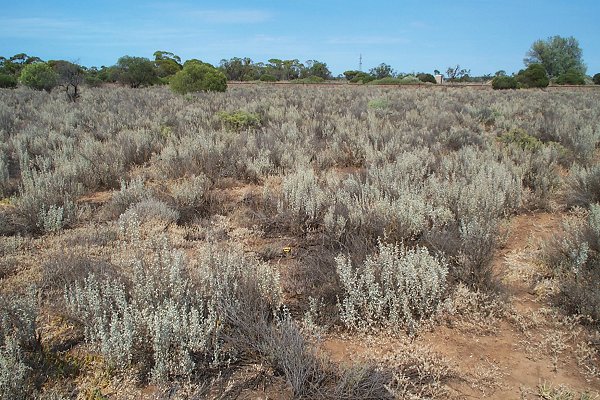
{"x": 135, "y": 72}
{"x": 244, "y": 69}
{"x": 553, "y": 60}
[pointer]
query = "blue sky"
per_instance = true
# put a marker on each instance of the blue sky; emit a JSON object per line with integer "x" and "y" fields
{"x": 481, "y": 35}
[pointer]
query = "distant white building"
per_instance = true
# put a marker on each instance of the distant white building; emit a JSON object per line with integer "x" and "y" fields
{"x": 439, "y": 79}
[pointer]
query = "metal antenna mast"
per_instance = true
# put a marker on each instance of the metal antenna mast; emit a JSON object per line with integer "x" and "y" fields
{"x": 360, "y": 63}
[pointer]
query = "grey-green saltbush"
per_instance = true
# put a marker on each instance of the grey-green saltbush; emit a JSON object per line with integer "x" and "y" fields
{"x": 159, "y": 323}
{"x": 44, "y": 201}
{"x": 130, "y": 193}
{"x": 167, "y": 321}
{"x": 19, "y": 347}
{"x": 396, "y": 287}
{"x": 54, "y": 218}
{"x": 574, "y": 258}
{"x": 191, "y": 196}
{"x": 303, "y": 196}
{"x": 154, "y": 210}
{"x": 583, "y": 186}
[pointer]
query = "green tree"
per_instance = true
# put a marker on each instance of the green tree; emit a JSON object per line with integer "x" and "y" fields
{"x": 596, "y": 79}
{"x": 167, "y": 63}
{"x": 39, "y": 76}
{"x": 534, "y": 76}
{"x": 240, "y": 69}
{"x": 284, "y": 70}
{"x": 161, "y": 55}
{"x": 557, "y": 54}
{"x": 381, "y": 71}
{"x": 197, "y": 76}
{"x": 316, "y": 68}
{"x": 15, "y": 64}
{"x": 136, "y": 71}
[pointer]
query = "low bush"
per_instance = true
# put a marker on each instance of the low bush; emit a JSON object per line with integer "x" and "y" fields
{"x": 596, "y": 79}
{"x": 571, "y": 77}
{"x": 394, "y": 288}
{"x": 7, "y": 81}
{"x": 159, "y": 323}
{"x": 130, "y": 193}
{"x": 540, "y": 173}
{"x": 191, "y": 197}
{"x": 153, "y": 210}
{"x": 66, "y": 268}
{"x": 583, "y": 186}
{"x": 267, "y": 78}
{"x": 427, "y": 78}
{"x": 521, "y": 139}
{"x": 165, "y": 321}
{"x": 93, "y": 81}
{"x": 4, "y": 177}
{"x": 20, "y": 348}
{"x": 361, "y": 77}
{"x": 379, "y": 104}
{"x": 504, "y": 82}
{"x": 385, "y": 81}
{"x": 419, "y": 373}
{"x": 534, "y": 76}
{"x": 363, "y": 381}
{"x": 310, "y": 79}
{"x": 574, "y": 258}
{"x": 290, "y": 354}
{"x": 239, "y": 120}
{"x": 45, "y": 200}
{"x": 407, "y": 80}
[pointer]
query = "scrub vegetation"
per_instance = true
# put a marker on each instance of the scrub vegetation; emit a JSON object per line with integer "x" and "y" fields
{"x": 341, "y": 242}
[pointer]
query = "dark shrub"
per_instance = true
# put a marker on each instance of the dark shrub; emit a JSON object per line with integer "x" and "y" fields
{"x": 571, "y": 77}
{"x": 93, "y": 81}
{"x": 267, "y": 78}
{"x": 310, "y": 79}
{"x": 426, "y": 78}
{"x": 504, "y": 82}
{"x": 362, "y": 77}
{"x": 385, "y": 81}
{"x": 534, "y": 76}
{"x": 596, "y": 79}
{"x": 239, "y": 120}
{"x": 349, "y": 75}
{"x": 7, "y": 81}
